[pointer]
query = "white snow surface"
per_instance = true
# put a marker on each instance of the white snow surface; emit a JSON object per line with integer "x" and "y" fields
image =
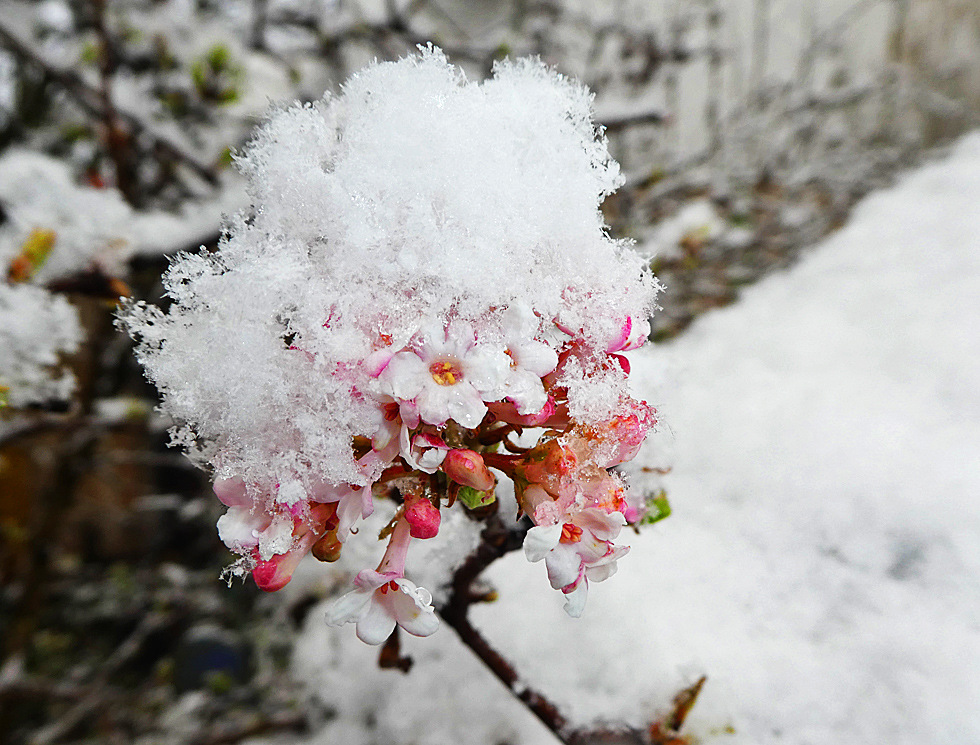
{"x": 822, "y": 565}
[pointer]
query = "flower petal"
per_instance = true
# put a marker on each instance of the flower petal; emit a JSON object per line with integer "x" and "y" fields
{"x": 488, "y": 370}
{"x": 413, "y": 610}
{"x": 536, "y": 357}
{"x": 564, "y": 565}
{"x": 575, "y": 600}
{"x": 404, "y": 376}
{"x": 466, "y": 406}
{"x": 376, "y": 624}
{"x": 348, "y": 608}
{"x": 540, "y": 540}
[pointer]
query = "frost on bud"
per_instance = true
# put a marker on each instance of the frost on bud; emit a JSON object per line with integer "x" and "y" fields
{"x": 466, "y": 467}
{"x": 274, "y": 574}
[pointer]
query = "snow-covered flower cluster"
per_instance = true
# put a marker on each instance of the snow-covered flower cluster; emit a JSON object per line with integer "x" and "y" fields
{"x": 423, "y": 283}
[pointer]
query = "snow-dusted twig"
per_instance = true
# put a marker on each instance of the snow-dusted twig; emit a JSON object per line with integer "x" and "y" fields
{"x": 287, "y": 722}
{"x": 91, "y": 101}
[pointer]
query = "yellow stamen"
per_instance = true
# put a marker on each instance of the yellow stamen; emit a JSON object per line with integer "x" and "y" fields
{"x": 444, "y": 373}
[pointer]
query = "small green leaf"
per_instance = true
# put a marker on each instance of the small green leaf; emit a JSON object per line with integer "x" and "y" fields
{"x": 657, "y": 509}
{"x": 219, "y": 681}
{"x": 475, "y": 499}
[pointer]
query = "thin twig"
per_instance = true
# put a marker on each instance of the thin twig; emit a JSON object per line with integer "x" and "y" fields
{"x": 288, "y": 722}
{"x": 496, "y": 541}
{"x": 118, "y": 141}
{"x": 126, "y": 651}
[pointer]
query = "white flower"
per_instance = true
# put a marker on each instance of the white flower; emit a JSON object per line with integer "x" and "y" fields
{"x": 423, "y": 451}
{"x": 577, "y": 549}
{"x": 448, "y": 375}
{"x": 531, "y": 360}
{"x": 381, "y": 600}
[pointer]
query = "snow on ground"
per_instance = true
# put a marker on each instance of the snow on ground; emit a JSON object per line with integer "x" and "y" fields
{"x": 822, "y": 566}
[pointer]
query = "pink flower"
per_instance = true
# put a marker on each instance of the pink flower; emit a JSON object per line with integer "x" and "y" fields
{"x": 274, "y": 574}
{"x": 232, "y": 492}
{"x": 240, "y": 528}
{"x": 632, "y": 334}
{"x": 353, "y": 502}
{"x": 447, "y": 375}
{"x": 619, "y": 439}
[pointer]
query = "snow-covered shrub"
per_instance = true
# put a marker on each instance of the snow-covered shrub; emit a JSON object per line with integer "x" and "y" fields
{"x": 424, "y": 273}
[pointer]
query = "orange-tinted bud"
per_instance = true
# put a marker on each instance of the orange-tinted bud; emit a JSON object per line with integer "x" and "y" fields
{"x": 466, "y": 467}
{"x": 328, "y": 548}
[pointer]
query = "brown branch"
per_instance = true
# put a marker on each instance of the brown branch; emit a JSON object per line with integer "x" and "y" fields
{"x": 264, "y": 725}
{"x": 496, "y": 541}
{"x": 90, "y": 100}
{"x": 118, "y": 141}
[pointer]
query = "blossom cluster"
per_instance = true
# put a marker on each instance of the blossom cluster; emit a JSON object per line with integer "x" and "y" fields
{"x": 448, "y": 411}
{"x": 423, "y": 300}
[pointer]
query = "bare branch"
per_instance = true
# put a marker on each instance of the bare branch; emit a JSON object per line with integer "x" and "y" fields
{"x": 496, "y": 541}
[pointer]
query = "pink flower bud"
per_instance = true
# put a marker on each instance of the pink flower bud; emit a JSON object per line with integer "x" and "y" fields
{"x": 466, "y": 467}
{"x": 275, "y": 573}
{"x": 548, "y": 464}
{"x": 505, "y": 411}
{"x": 423, "y": 518}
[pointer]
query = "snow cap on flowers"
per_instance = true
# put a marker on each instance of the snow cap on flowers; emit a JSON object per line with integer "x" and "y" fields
{"x": 413, "y": 200}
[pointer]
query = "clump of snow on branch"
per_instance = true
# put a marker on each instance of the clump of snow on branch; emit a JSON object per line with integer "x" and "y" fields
{"x": 35, "y": 328}
{"x": 424, "y": 271}
{"x": 93, "y": 226}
